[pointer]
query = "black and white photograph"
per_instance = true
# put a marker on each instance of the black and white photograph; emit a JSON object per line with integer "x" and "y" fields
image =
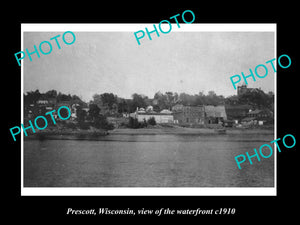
{"x": 141, "y": 112}
{"x": 163, "y": 115}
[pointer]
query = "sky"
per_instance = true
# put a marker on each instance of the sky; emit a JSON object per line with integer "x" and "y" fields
{"x": 190, "y": 62}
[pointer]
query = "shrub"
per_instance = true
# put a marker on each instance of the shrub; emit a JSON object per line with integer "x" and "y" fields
{"x": 135, "y": 124}
{"x": 84, "y": 125}
{"x": 109, "y": 126}
{"x": 101, "y": 122}
{"x": 151, "y": 121}
{"x": 70, "y": 125}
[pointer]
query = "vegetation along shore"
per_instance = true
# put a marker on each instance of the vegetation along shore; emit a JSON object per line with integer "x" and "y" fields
{"x": 250, "y": 111}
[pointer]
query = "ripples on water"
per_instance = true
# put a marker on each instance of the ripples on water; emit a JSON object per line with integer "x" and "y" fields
{"x": 147, "y": 161}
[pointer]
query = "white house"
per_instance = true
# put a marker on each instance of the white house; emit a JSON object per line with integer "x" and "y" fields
{"x": 165, "y": 116}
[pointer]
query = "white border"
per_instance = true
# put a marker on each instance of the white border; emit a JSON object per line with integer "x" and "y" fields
{"x": 106, "y": 27}
{"x": 137, "y": 191}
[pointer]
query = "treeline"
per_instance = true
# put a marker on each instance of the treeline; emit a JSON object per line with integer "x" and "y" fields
{"x": 109, "y": 104}
{"x": 257, "y": 100}
{"x": 112, "y": 104}
{"x": 86, "y": 115}
{"x": 32, "y": 96}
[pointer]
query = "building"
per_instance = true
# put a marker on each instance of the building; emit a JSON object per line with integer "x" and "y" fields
{"x": 42, "y": 101}
{"x": 237, "y": 112}
{"x": 258, "y": 117}
{"x": 165, "y": 116}
{"x": 70, "y": 105}
{"x": 208, "y": 114}
{"x": 44, "y": 104}
{"x": 177, "y": 107}
{"x": 260, "y": 114}
{"x": 249, "y": 121}
{"x": 188, "y": 114}
{"x": 52, "y": 102}
{"x": 215, "y": 114}
{"x": 243, "y": 89}
{"x": 182, "y": 114}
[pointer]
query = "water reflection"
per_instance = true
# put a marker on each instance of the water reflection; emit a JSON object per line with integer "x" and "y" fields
{"x": 147, "y": 161}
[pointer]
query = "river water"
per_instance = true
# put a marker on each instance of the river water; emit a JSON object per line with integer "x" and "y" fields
{"x": 147, "y": 161}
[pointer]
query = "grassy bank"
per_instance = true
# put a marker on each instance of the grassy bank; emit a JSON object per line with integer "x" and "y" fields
{"x": 63, "y": 133}
{"x": 187, "y": 130}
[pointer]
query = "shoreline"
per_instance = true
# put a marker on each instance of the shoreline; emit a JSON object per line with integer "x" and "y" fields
{"x": 99, "y": 134}
{"x": 185, "y": 130}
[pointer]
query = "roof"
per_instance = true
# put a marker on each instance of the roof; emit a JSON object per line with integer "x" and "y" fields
{"x": 215, "y": 111}
{"x": 153, "y": 113}
{"x": 256, "y": 111}
{"x": 238, "y": 107}
{"x": 180, "y": 107}
{"x": 166, "y": 111}
{"x": 42, "y": 99}
{"x": 248, "y": 118}
{"x": 64, "y": 103}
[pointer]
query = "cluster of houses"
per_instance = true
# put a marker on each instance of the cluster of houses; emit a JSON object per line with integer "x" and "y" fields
{"x": 205, "y": 114}
{"x": 227, "y": 115}
{"x": 179, "y": 114}
{"x": 45, "y": 105}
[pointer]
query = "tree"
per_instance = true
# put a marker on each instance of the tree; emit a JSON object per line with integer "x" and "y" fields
{"x": 200, "y": 100}
{"x": 101, "y": 122}
{"x": 107, "y": 102}
{"x": 122, "y": 105}
{"x": 138, "y": 101}
{"x": 77, "y": 99}
{"x": 63, "y": 97}
{"x": 135, "y": 124}
{"x": 151, "y": 121}
{"x": 98, "y": 120}
{"x": 31, "y": 97}
{"x": 108, "y": 99}
{"x": 80, "y": 115}
{"x": 156, "y": 108}
{"x": 65, "y": 113}
{"x": 257, "y": 99}
{"x": 167, "y": 100}
{"x": 211, "y": 93}
{"x": 170, "y": 99}
{"x": 51, "y": 94}
{"x": 187, "y": 99}
{"x": 97, "y": 100}
{"x": 93, "y": 112}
